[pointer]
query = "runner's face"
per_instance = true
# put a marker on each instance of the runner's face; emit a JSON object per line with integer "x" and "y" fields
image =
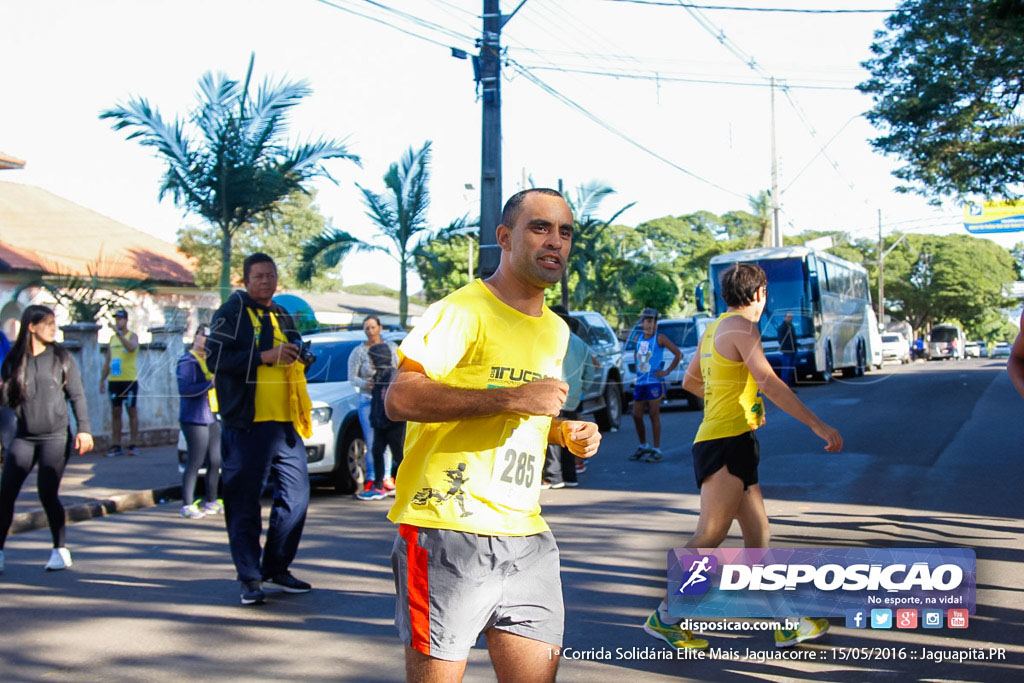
{"x": 540, "y": 241}
{"x": 262, "y": 282}
{"x": 45, "y": 330}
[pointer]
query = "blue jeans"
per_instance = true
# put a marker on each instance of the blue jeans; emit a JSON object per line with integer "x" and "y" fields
{"x": 250, "y": 455}
{"x": 364, "y": 421}
{"x": 788, "y": 368}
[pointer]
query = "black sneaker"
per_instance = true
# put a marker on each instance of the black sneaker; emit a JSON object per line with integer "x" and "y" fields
{"x": 288, "y": 583}
{"x": 252, "y": 593}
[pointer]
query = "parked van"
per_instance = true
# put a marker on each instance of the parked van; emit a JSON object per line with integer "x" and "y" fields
{"x": 947, "y": 341}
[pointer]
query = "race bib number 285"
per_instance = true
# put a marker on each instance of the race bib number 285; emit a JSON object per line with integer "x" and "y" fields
{"x": 517, "y": 469}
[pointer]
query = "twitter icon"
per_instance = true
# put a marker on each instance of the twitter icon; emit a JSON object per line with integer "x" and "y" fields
{"x": 881, "y": 618}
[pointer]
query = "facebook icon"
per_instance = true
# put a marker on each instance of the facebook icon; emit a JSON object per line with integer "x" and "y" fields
{"x": 856, "y": 618}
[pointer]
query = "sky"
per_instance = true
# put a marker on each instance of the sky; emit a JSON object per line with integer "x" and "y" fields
{"x": 692, "y": 117}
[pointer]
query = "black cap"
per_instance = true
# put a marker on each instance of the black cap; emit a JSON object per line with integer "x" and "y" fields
{"x": 649, "y": 313}
{"x": 121, "y": 314}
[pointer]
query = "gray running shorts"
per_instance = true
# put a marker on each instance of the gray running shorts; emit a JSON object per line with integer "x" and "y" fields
{"x": 453, "y": 586}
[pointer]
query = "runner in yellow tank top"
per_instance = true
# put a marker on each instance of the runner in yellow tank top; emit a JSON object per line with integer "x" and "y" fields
{"x": 729, "y": 373}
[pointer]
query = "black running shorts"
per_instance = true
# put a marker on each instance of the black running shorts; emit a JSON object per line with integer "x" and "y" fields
{"x": 739, "y": 454}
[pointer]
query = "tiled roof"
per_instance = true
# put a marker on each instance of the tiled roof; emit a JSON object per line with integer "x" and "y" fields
{"x": 7, "y": 161}
{"x": 357, "y": 304}
{"x": 40, "y": 231}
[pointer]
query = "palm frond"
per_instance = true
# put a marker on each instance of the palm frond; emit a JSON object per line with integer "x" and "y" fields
{"x": 381, "y": 210}
{"x": 326, "y": 250}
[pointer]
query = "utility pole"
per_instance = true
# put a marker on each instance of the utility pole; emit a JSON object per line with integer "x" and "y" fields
{"x": 565, "y": 270}
{"x": 881, "y": 273}
{"x": 776, "y": 235}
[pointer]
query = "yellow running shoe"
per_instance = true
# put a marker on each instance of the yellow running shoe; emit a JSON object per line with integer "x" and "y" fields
{"x": 809, "y": 629}
{"x": 672, "y": 634}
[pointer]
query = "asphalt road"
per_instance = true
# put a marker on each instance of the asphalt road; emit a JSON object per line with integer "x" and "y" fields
{"x": 931, "y": 458}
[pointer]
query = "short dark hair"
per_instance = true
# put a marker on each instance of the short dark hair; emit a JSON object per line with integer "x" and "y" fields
{"x": 510, "y": 213}
{"x": 741, "y": 282}
{"x": 251, "y": 260}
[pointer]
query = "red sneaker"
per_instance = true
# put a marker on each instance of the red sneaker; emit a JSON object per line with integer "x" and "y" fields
{"x": 389, "y": 486}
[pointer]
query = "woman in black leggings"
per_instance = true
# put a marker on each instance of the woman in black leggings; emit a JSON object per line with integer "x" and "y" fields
{"x": 39, "y": 378}
{"x": 201, "y": 429}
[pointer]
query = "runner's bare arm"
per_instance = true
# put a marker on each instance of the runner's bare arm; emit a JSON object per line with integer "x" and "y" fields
{"x": 693, "y": 380}
{"x": 581, "y": 438}
{"x": 747, "y": 342}
{"x": 414, "y": 396}
{"x": 1015, "y": 364}
{"x": 667, "y": 343}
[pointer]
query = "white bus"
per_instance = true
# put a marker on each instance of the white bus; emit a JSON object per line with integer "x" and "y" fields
{"x": 830, "y": 302}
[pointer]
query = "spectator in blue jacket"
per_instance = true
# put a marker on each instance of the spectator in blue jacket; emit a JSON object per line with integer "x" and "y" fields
{"x": 201, "y": 429}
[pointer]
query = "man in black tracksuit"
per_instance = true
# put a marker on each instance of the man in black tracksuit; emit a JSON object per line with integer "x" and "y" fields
{"x": 251, "y": 344}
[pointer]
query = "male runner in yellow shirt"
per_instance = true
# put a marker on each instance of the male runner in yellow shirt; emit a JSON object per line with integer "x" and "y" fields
{"x": 478, "y": 385}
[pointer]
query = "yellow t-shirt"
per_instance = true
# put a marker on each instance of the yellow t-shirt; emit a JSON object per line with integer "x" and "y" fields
{"x": 122, "y": 361}
{"x": 732, "y": 403}
{"x": 271, "y": 380}
{"x": 480, "y": 475}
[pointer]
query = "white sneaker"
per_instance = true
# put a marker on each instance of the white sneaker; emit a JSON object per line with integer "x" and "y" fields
{"x": 1, "y": 561}
{"x": 60, "y": 558}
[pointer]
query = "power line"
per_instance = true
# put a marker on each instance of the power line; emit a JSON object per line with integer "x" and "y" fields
{"x": 349, "y": 10}
{"x": 420, "y": 21}
{"x": 660, "y": 77}
{"x": 612, "y": 129}
{"x": 736, "y": 8}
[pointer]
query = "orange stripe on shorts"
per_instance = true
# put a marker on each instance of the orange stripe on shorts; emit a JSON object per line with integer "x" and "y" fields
{"x": 417, "y": 588}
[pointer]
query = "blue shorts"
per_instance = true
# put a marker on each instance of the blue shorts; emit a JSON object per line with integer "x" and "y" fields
{"x": 648, "y": 392}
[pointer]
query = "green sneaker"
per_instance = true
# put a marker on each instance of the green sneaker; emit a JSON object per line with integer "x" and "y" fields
{"x": 672, "y": 634}
{"x": 809, "y": 629}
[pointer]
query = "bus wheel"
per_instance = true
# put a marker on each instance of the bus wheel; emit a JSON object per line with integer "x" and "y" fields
{"x": 826, "y": 376}
{"x": 858, "y": 369}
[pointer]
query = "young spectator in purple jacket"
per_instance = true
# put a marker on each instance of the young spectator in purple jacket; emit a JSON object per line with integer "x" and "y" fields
{"x": 201, "y": 428}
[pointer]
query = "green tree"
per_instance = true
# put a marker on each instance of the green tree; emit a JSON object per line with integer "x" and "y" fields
{"x": 400, "y": 214}
{"x": 230, "y": 161}
{"x": 443, "y": 262}
{"x": 593, "y": 252}
{"x": 931, "y": 279}
{"x": 655, "y": 290}
{"x": 761, "y": 205}
{"x": 280, "y": 233}
{"x": 947, "y": 86}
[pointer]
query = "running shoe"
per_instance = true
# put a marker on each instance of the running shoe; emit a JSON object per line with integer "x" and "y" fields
{"x": 131, "y": 450}
{"x": 60, "y": 558}
{"x": 389, "y": 486}
{"x": 252, "y": 593}
{"x": 192, "y": 511}
{"x": 640, "y": 452}
{"x": 368, "y": 485}
{"x": 672, "y": 634}
{"x": 571, "y": 484}
{"x": 372, "y": 494}
{"x": 288, "y": 583}
{"x": 581, "y": 468}
{"x": 113, "y": 451}
{"x": 213, "y": 508}
{"x": 545, "y": 485}
{"x": 653, "y": 455}
{"x": 809, "y": 629}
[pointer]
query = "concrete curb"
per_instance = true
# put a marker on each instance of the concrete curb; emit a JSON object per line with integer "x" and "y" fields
{"x": 134, "y": 500}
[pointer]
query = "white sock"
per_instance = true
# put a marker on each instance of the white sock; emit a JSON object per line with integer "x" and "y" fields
{"x": 664, "y": 616}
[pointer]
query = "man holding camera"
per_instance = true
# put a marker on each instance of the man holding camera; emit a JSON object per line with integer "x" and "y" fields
{"x": 257, "y": 358}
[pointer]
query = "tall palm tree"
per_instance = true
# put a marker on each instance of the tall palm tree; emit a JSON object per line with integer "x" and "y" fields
{"x": 592, "y": 250}
{"x": 761, "y": 207}
{"x": 229, "y": 161}
{"x": 400, "y": 214}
